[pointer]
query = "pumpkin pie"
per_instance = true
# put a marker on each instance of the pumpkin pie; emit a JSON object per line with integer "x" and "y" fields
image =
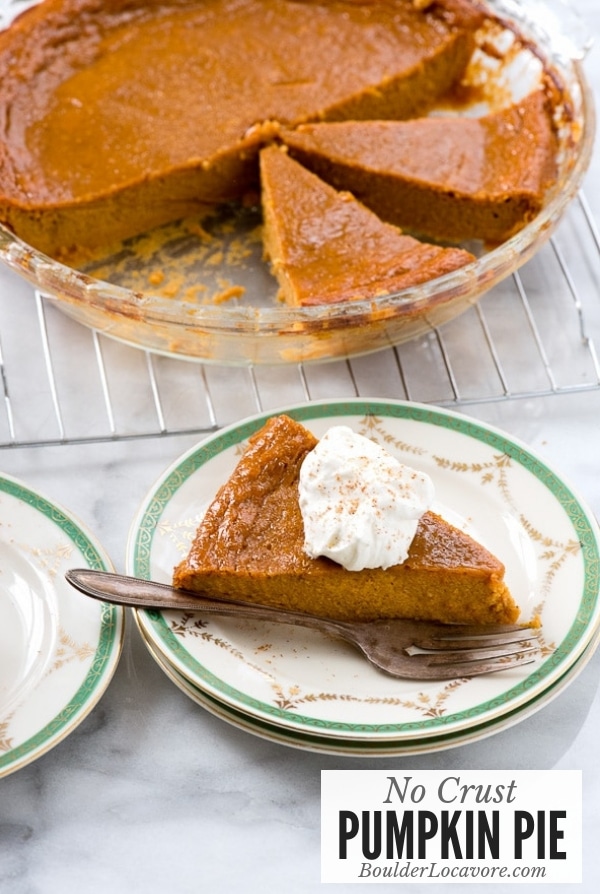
{"x": 326, "y": 247}
{"x": 119, "y": 115}
{"x": 250, "y": 547}
{"x": 448, "y": 177}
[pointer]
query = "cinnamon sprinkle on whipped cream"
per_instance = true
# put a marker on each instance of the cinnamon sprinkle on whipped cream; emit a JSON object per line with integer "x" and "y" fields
{"x": 360, "y": 505}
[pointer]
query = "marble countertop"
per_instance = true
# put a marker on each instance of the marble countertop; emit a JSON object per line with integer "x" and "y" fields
{"x": 152, "y": 793}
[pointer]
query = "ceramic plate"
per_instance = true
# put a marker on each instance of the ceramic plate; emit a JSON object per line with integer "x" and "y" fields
{"x": 58, "y": 651}
{"x": 372, "y": 748}
{"x": 486, "y": 483}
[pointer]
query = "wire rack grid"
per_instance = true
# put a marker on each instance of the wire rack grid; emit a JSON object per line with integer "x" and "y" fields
{"x": 535, "y": 334}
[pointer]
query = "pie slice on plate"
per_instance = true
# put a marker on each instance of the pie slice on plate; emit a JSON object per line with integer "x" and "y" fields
{"x": 250, "y": 547}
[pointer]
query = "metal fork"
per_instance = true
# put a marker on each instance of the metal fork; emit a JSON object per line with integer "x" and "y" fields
{"x": 419, "y": 650}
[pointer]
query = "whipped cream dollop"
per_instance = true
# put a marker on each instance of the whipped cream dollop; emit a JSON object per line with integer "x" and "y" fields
{"x": 360, "y": 505}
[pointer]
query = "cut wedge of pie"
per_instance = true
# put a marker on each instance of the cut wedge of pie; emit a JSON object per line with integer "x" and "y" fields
{"x": 451, "y": 177}
{"x": 326, "y": 247}
{"x": 250, "y": 547}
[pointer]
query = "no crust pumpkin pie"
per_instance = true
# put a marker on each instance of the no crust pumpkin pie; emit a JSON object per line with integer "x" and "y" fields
{"x": 325, "y": 247}
{"x": 250, "y": 547}
{"x": 450, "y": 177}
{"x": 119, "y": 115}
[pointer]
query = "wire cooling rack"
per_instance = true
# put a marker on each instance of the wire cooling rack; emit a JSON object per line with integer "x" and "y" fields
{"x": 533, "y": 335}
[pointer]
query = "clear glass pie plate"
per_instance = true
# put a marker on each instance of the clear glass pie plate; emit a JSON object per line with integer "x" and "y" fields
{"x": 174, "y": 293}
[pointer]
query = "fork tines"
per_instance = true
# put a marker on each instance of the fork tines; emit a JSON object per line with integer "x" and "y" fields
{"x": 471, "y": 667}
{"x": 464, "y": 637}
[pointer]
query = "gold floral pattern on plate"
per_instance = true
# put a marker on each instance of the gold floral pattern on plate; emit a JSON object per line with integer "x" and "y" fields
{"x": 310, "y": 741}
{"x": 64, "y": 649}
{"x": 292, "y": 698}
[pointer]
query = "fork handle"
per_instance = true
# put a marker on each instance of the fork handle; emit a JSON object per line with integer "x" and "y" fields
{"x": 135, "y": 592}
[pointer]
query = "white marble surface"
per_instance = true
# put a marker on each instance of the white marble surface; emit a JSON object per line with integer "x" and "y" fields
{"x": 151, "y": 793}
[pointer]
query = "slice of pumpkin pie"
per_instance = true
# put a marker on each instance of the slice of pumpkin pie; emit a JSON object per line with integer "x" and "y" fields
{"x": 326, "y": 247}
{"x": 251, "y": 546}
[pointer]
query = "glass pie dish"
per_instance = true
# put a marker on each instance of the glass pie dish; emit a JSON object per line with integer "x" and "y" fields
{"x": 214, "y": 299}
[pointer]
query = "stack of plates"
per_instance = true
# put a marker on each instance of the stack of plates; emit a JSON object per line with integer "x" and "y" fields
{"x": 58, "y": 650}
{"x": 310, "y": 691}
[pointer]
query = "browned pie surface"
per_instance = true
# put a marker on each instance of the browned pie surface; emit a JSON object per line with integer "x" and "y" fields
{"x": 116, "y": 115}
{"x": 326, "y": 247}
{"x": 249, "y": 546}
{"x": 454, "y": 177}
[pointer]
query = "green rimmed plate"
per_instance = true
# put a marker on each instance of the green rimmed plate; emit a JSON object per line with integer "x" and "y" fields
{"x": 372, "y": 748}
{"x": 486, "y": 482}
{"x": 58, "y": 652}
